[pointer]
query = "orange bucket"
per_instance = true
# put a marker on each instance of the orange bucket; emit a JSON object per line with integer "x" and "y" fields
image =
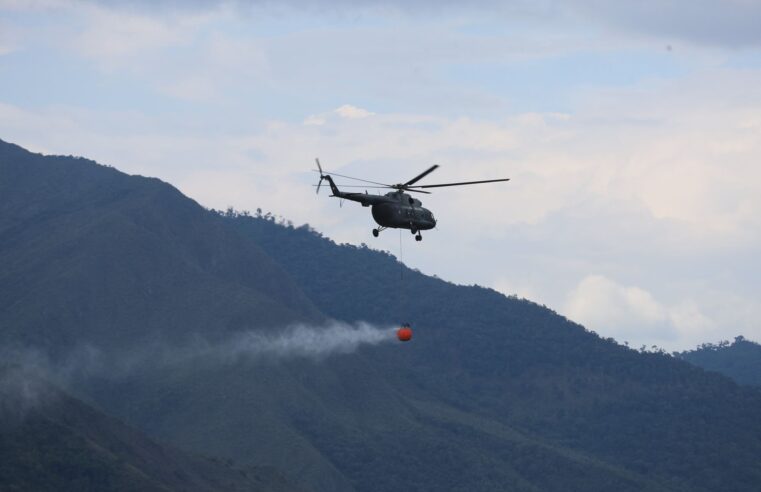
{"x": 404, "y": 334}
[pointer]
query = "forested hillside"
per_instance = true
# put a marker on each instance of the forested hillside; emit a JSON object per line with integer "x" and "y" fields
{"x": 522, "y": 364}
{"x": 740, "y": 360}
{"x": 50, "y": 441}
{"x": 493, "y": 393}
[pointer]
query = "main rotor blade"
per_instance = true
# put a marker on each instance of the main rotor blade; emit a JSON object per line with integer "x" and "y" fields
{"x": 463, "y": 183}
{"x": 360, "y": 186}
{"x": 422, "y": 175}
{"x": 355, "y": 179}
{"x": 380, "y": 188}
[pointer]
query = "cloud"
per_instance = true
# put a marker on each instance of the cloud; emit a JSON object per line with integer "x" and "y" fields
{"x": 598, "y": 300}
{"x": 718, "y": 23}
{"x": 194, "y": 88}
{"x": 509, "y": 288}
{"x": 10, "y": 36}
{"x": 726, "y": 23}
{"x": 113, "y": 35}
{"x": 314, "y": 120}
{"x": 182, "y": 52}
{"x": 347, "y": 112}
{"x": 630, "y": 313}
{"x": 352, "y": 112}
{"x": 122, "y": 38}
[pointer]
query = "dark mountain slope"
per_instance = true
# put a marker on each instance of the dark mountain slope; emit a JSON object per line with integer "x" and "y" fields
{"x": 89, "y": 252}
{"x": 95, "y": 259}
{"x": 51, "y": 441}
{"x": 354, "y": 430}
{"x": 740, "y": 360}
{"x": 492, "y": 394}
{"x": 523, "y": 365}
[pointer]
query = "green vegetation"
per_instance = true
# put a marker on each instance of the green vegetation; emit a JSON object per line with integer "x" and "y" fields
{"x": 494, "y": 393}
{"x": 739, "y": 360}
{"x": 50, "y": 441}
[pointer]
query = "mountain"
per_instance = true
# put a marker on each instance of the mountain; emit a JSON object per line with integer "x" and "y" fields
{"x": 51, "y": 441}
{"x": 739, "y": 360}
{"x": 88, "y": 253}
{"x": 493, "y": 393}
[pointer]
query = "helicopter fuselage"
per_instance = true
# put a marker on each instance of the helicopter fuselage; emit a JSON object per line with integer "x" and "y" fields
{"x": 402, "y": 211}
{"x": 395, "y": 209}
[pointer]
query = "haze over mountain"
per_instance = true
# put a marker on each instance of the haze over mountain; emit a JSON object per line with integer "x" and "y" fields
{"x": 493, "y": 393}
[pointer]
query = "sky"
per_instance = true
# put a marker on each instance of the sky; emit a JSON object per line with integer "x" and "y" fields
{"x": 631, "y": 132}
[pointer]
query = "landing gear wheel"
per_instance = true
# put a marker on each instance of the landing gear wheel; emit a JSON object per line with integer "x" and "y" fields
{"x": 413, "y": 231}
{"x": 418, "y": 237}
{"x": 376, "y": 232}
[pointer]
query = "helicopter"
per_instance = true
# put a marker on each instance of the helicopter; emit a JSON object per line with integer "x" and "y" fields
{"x": 396, "y": 209}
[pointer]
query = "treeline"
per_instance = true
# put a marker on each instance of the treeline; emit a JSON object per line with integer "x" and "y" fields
{"x": 740, "y": 359}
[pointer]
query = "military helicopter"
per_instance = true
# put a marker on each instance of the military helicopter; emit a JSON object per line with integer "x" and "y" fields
{"x": 396, "y": 209}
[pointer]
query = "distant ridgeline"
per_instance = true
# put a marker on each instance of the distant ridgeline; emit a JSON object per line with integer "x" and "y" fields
{"x": 493, "y": 393}
{"x": 740, "y": 360}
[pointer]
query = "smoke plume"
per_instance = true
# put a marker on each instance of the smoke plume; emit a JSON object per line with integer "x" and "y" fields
{"x": 296, "y": 341}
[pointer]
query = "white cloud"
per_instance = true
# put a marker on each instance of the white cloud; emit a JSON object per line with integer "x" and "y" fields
{"x": 115, "y": 36}
{"x": 194, "y": 88}
{"x": 601, "y": 303}
{"x": 510, "y": 288}
{"x": 630, "y": 313}
{"x": 7, "y": 41}
{"x": 352, "y": 112}
{"x": 10, "y": 37}
{"x": 314, "y": 120}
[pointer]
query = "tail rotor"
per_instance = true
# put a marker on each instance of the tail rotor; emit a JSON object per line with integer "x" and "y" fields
{"x": 322, "y": 176}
